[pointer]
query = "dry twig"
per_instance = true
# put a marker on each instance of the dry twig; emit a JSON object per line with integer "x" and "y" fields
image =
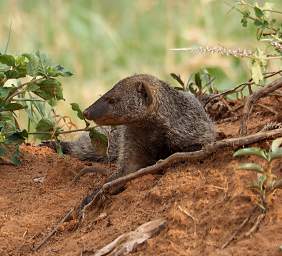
{"x": 127, "y": 242}
{"x": 252, "y": 99}
{"x": 54, "y": 230}
{"x": 256, "y": 225}
{"x": 239, "y": 229}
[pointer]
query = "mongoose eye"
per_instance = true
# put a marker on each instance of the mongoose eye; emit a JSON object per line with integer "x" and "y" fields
{"x": 112, "y": 100}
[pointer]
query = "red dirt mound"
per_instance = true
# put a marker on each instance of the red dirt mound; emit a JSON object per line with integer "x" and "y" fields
{"x": 214, "y": 195}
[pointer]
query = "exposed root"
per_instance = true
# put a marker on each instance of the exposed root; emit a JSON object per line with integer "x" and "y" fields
{"x": 239, "y": 229}
{"x": 99, "y": 194}
{"x": 255, "y": 226}
{"x": 252, "y": 99}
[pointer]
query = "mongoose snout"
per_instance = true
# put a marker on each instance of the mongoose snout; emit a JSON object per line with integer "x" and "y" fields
{"x": 97, "y": 111}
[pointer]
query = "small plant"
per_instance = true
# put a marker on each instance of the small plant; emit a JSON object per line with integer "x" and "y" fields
{"x": 266, "y": 182}
{"x": 29, "y": 83}
{"x": 199, "y": 83}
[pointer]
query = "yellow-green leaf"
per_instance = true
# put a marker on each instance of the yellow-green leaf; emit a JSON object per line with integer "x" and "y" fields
{"x": 251, "y": 167}
{"x": 252, "y": 151}
{"x": 276, "y": 144}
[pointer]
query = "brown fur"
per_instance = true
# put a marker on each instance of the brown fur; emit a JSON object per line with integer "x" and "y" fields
{"x": 153, "y": 121}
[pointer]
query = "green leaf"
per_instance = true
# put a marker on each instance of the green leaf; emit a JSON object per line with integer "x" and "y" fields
{"x": 275, "y": 145}
{"x": 75, "y": 107}
{"x": 244, "y": 22}
{"x": 5, "y": 91}
{"x": 7, "y": 59}
{"x": 260, "y": 181}
{"x": 251, "y": 167}
{"x": 59, "y": 71}
{"x": 2, "y": 150}
{"x": 191, "y": 88}
{"x": 13, "y": 107}
{"x": 258, "y": 12}
{"x": 2, "y": 137}
{"x": 17, "y": 137}
{"x": 98, "y": 138}
{"x": 198, "y": 80}
{"x": 45, "y": 126}
{"x": 251, "y": 151}
{"x": 2, "y": 78}
{"x": 276, "y": 154}
{"x": 49, "y": 89}
{"x": 15, "y": 159}
{"x": 178, "y": 79}
{"x": 32, "y": 65}
{"x": 257, "y": 73}
{"x": 59, "y": 149}
{"x": 33, "y": 87}
{"x": 4, "y": 68}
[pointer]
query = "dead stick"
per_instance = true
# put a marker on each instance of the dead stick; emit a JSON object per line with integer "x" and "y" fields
{"x": 50, "y": 234}
{"x": 177, "y": 157}
{"x": 254, "y": 98}
{"x": 242, "y": 225}
{"x": 256, "y": 225}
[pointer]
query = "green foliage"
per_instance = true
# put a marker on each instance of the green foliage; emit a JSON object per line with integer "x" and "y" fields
{"x": 268, "y": 34}
{"x": 199, "y": 83}
{"x": 97, "y": 137}
{"x": 29, "y": 82}
{"x": 266, "y": 182}
{"x": 268, "y": 30}
{"x": 24, "y": 79}
{"x": 75, "y": 107}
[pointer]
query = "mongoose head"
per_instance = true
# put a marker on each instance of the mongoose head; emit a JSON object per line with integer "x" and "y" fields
{"x": 129, "y": 101}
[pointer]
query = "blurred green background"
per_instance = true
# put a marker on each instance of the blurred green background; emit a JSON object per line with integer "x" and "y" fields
{"x": 102, "y": 41}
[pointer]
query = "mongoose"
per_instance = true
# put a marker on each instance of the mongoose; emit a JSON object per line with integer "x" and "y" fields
{"x": 153, "y": 120}
{"x": 84, "y": 148}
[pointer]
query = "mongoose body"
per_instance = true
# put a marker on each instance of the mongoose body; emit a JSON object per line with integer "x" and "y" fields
{"x": 153, "y": 121}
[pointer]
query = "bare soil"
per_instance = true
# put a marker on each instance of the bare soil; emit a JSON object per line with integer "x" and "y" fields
{"x": 35, "y": 195}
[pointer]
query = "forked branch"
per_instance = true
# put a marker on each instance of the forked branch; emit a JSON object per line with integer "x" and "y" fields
{"x": 252, "y": 99}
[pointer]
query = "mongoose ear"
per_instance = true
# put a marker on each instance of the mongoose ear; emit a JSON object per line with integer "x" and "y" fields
{"x": 145, "y": 90}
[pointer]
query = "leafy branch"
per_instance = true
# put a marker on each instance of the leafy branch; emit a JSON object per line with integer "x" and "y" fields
{"x": 28, "y": 82}
{"x": 266, "y": 182}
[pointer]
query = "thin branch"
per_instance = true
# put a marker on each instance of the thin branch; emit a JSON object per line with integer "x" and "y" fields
{"x": 54, "y": 230}
{"x": 62, "y": 132}
{"x": 252, "y": 99}
{"x": 18, "y": 91}
{"x": 28, "y": 100}
{"x": 255, "y": 225}
{"x": 242, "y": 86}
{"x": 239, "y": 229}
{"x": 274, "y": 11}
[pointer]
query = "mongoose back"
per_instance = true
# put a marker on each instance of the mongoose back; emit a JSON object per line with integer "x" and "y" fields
{"x": 153, "y": 120}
